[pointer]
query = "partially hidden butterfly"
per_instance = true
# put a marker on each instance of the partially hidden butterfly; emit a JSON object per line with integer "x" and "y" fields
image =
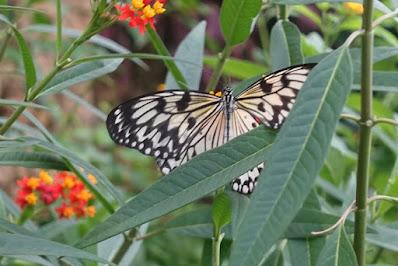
{"x": 175, "y": 125}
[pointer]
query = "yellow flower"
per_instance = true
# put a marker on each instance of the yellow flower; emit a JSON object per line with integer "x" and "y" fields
{"x": 137, "y": 4}
{"x": 148, "y": 11}
{"x": 218, "y": 93}
{"x": 45, "y": 177}
{"x": 158, "y": 7}
{"x": 84, "y": 195}
{"x": 92, "y": 179}
{"x": 31, "y": 199}
{"x": 354, "y": 7}
{"x": 90, "y": 211}
{"x": 69, "y": 182}
{"x": 33, "y": 182}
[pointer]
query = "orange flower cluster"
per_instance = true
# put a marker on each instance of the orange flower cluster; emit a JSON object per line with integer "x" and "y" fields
{"x": 141, "y": 13}
{"x": 75, "y": 198}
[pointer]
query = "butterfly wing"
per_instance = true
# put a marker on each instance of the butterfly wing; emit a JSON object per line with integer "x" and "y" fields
{"x": 270, "y": 98}
{"x": 172, "y": 126}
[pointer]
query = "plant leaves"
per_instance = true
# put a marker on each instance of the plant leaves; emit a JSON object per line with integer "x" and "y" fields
{"x": 31, "y": 160}
{"x": 297, "y": 157}
{"x": 337, "y": 250}
{"x": 221, "y": 212}
{"x": 305, "y": 252}
{"x": 384, "y": 237}
{"x": 15, "y": 244}
{"x": 187, "y": 183}
{"x": 82, "y": 72}
{"x": 285, "y": 45}
{"x": 191, "y": 51}
{"x": 237, "y": 19}
{"x": 21, "y": 103}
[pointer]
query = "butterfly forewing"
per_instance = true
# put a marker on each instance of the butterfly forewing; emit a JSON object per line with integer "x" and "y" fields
{"x": 271, "y": 97}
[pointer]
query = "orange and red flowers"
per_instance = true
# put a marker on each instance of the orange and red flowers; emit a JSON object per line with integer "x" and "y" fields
{"x": 141, "y": 13}
{"x": 75, "y": 199}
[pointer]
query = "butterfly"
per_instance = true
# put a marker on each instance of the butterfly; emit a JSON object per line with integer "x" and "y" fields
{"x": 175, "y": 125}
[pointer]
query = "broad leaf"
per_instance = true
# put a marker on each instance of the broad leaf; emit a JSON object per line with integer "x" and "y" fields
{"x": 285, "y": 45}
{"x": 221, "y": 212}
{"x": 237, "y": 19}
{"x": 297, "y": 157}
{"x": 305, "y": 252}
{"x": 187, "y": 183}
{"x": 191, "y": 51}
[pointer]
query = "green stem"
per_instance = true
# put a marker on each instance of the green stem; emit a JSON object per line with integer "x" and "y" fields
{"x": 216, "y": 249}
{"x": 161, "y": 49}
{"x": 282, "y": 12}
{"x": 128, "y": 240}
{"x": 365, "y": 134}
{"x": 58, "y": 43}
{"x": 386, "y": 121}
{"x": 219, "y": 68}
{"x": 3, "y": 47}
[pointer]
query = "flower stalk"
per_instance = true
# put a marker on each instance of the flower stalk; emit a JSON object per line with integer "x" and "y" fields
{"x": 219, "y": 68}
{"x": 365, "y": 134}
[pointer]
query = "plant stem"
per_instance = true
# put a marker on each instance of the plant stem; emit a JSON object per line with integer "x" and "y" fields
{"x": 58, "y": 43}
{"x": 161, "y": 49}
{"x": 219, "y": 68}
{"x": 365, "y": 134}
{"x": 216, "y": 249}
{"x": 128, "y": 240}
{"x": 282, "y": 12}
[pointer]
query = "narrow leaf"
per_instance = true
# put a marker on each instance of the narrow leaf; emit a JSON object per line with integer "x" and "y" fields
{"x": 297, "y": 157}
{"x": 337, "y": 250}
{"x": 237, "y": 19}
{"x": 83, "y": 72}
{"x": 15, "y": 244}
{"x": 191, "y": 51}
{"x": 20, "y": 103}
{"x": 221, "y": 212}
{"x": 285, "y": 45}
{"x": 31, "y": 160}
{"x": 187, "y": 183}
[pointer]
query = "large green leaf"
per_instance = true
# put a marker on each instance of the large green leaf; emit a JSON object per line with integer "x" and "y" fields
{"x": 237, "y": 19}
{"x": 187, "y": 183}
{"x": 221, "y": 212}
{"x": 382, "y": 81}
{"x": 15, "y": 244}
{"x": 31, "y": 160}
{"x": 83, "y": 72}
{"x": 191, "y": 51}
{"x": 384, "y": 237}
{"x": 337, "y": 250}
{"x": 285, "y": 45}
{"x": 297, "y": 157}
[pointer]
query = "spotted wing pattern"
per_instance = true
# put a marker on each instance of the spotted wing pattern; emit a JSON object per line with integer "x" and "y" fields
{"x": 172, "y": 126}
{"x": 271, "y": 97}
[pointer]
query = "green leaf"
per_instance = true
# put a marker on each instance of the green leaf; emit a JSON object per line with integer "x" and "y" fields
{"x": 297, "y": 157}
{"x": 15, "y": 244}
{"x": 285, "y": 45}
{"x": 77, "y": 74}
{"x": 305, "y": 252}
{"x": 20, "y": 103}
{"x": 14, "y": 228}
{"x": 239, "y": 207}
{"x": 187, "y": 183}
{"x": 29, "y": 67}
{"x": 337, "y": 250}
{"x": 221, "y": 212}
{"x": 31, "y": 160}
{"x": 382, "y": 81}
{"x": 384, "y": 237}
{"x": 20, "y": 8}
{"x": 191, "y": 51}
{"x": 237, "y": 68}
{"x": 390, "y": 190}
{"x": 96, "y": 39}
{"x": 237, "y": 19}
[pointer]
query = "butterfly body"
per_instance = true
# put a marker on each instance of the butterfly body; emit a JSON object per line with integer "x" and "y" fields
{"x": 174, "y": 126}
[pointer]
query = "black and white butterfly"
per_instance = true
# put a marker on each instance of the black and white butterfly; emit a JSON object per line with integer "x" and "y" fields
{"x": 174, "y": 125}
